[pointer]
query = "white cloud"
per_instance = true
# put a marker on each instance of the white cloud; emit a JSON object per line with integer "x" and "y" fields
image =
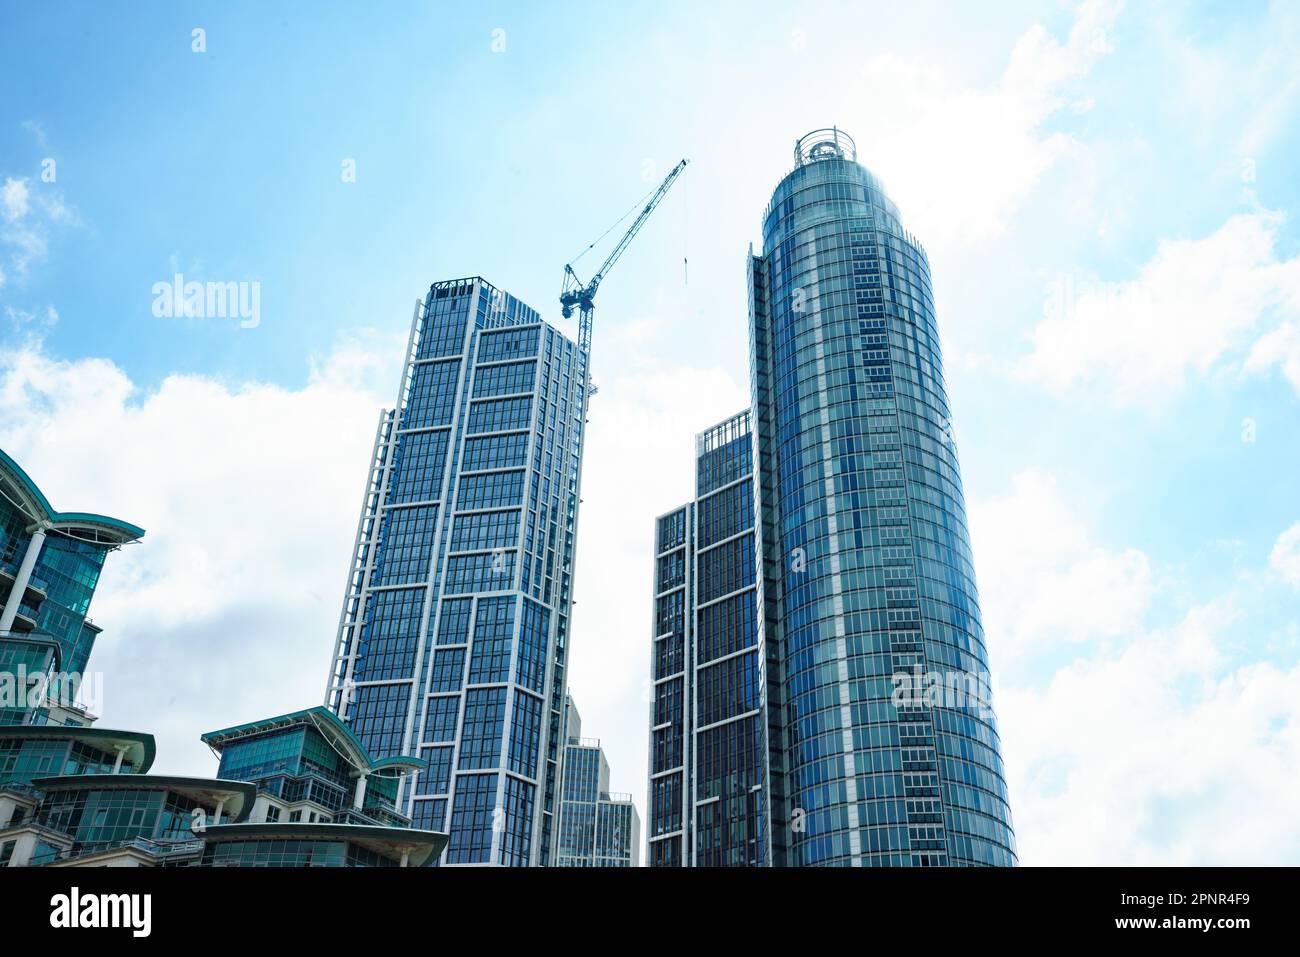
{"x": 24, "y": 320}
{"x": 249, "y": 495}
{"x": 1145, "y": 747}
{"x": 25, "y": 236}
{"x": 960, "y": 161}
{"x": 1158, "y": 754}
{"x": 26, "y": 218}
{"x": 1281, "y": 348}
{"x": 1285, "y": 557}
{"x": 14, "y": 199}
{"x": 1043, "y": 582}
{"x": 1194, "y": 308}
{"x": 1236, "y": 87}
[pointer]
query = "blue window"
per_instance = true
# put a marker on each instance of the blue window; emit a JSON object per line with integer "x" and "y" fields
{"x": 495, "y": 452}
{"x": 525, "y": 734}
{"x": 493, "y": 627}
{"x": 507, "y": 344}
{"x": 507, "y": 379}
{"x": 472, "y": 818}
{"x": 441, "y": 722}
{"x": 485, "y": 712}
{"x": 432, "y": 396}
{"x": 492, "y": 490}
{"x": 453, "y": 626}
{"x": 499, "y": 415}
{"x": 490, "y": 571}
{"x": 419, "y": 462}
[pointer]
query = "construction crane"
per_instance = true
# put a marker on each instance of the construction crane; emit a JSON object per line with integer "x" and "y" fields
{"x": 575, "y": 293}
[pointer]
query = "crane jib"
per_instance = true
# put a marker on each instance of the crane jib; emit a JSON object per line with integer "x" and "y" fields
{"x": 574, "y": 293}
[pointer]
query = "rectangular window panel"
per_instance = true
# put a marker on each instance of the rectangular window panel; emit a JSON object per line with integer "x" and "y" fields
{"x": 504, "y": 379}
{"x": 448, "y": 669}
{"x": 419, "y": 462}
{"x": 453, "y": 626}
{"x": 726, "y": 569}
{"x": 437, "y": 779}
{"x": 440, "y": 723}
{"x": 493, "y": 490}
{"x": 406, "y": 545}
{"x": 507, "y": 344}
{"x": 490, "y": 571}
{"x": 472, "y": 816}
{"x": 480, "y": 744}
{"x": 499, "y": 415}
{"x": 495, "y": 452}
{"x": 534, "y": 634}
{"x": 525, "y": 734}
{"x": 432, "y": 395}
{"x": 485, "y": 530}
{"x": 377, "y": 716}
{"x": 388, "y": 639}
{"x": 493, "y": 627}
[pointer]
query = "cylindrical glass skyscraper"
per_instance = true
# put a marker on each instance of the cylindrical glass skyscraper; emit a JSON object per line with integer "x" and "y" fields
{"x": 882, "y": 746}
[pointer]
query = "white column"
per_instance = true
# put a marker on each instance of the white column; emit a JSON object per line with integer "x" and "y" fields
{"x": 24, "y": 576}
{"x": 117, "y": 764}
{"x": 221, "y": 803}
{"x": 406, "y": 856}
{"x": 359, "y": 797}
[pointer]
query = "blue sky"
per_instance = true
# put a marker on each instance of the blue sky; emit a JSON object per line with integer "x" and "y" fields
{"x": 1109, "y": 200}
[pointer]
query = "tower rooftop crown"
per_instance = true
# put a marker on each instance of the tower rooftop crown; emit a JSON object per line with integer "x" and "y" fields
{"x": 830, "y": 143}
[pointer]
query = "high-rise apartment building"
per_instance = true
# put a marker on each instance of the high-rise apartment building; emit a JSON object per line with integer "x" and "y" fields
{"x": 709, "y": 768}
{"x": 873, "y": 732}
{"x": 455, "y": 625}
{"x": 598, "y": 827}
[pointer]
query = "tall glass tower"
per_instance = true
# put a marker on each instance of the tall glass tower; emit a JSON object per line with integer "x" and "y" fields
{"x": 865, "y": 544}
{"x": 867, "y": 678}
{"x": 455, "y": 624}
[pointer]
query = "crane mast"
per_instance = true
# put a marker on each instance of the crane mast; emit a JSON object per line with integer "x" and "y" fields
{"x": 576, "y": 293}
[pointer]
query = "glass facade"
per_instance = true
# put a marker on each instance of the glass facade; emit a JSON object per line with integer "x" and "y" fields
{"x": 864, "y": 573}
{"x": 57, "y": 557}
{"x": 287, "y": 852}
{"x": 866, "y": 550}
{"x": 597, "y": 828}
{"x": 23, "y": 758}
{"x": 27, "y": 666}
{"x": 99, "y": 818}
{"x": 710, "y": 773}
{"x": 307, "y": 773}
{"x": 292, "y": 790}
{"x": 454, "y": 633}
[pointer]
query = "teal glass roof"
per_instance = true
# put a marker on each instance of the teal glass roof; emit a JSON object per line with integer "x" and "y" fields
{"x": 338, "y": 734}
{"x": 422, "y": 847}
{"x": 238, "y": 796}
{"x": 107, "y": 531}
{"x": 139, "y": 746}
